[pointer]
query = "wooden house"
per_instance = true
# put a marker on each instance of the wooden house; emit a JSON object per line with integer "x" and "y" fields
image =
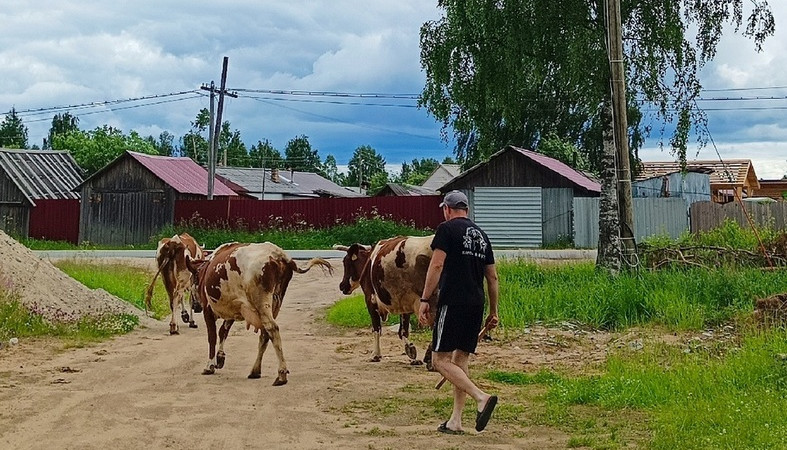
{"x": 28, "y": 177}
{"x": 132, "y": 198}
{"x": 523, "y": 198}
{"x": 728, "y": 178}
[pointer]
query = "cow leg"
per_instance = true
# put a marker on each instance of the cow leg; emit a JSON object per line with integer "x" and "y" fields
{"x": 173, "y": 324}
{"x": 210, "y": 325}
{"x": 224, "y": 331}
{"x": 263, "y": 344}
{"x": 377, "y": 329}
{"x": 192, "y": 324}
{"x": 404, "y": 334}
{"x": 271, "y": 328}
{"x": 428, "y": 359}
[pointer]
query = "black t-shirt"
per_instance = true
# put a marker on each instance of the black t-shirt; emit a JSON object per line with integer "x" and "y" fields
{"x": 468, "y": 252}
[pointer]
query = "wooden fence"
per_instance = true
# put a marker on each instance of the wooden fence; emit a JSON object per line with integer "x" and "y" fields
{"x": 708, "y": 215}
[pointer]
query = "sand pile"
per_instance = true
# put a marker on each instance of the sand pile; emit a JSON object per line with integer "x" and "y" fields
{"x": 45, "y": 289}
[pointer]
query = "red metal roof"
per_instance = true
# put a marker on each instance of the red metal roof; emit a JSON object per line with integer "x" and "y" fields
{"x": 183, "y": 174}
{"x": 561, "y": 168}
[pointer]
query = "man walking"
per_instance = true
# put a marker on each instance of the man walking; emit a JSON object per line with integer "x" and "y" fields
{"x": 462, "y": 259}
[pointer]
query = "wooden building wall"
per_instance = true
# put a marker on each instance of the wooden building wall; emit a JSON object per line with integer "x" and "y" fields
{"x": 511, "y": 169}
{"x": 14, "y": 208}
{"x": 124, "y": 205}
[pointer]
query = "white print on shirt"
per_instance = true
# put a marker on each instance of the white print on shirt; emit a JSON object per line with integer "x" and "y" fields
{"x": 474, "y": 243}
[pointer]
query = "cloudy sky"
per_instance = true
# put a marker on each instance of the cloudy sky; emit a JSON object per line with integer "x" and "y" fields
{"x": 140, "y": 68}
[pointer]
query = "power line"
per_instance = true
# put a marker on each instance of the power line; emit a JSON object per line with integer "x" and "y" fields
{"x": 98, "y": 104}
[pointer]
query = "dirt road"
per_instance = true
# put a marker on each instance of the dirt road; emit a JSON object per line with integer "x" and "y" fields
{"x": 145, "y": 390}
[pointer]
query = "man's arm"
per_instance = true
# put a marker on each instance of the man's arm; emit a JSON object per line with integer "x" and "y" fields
{"x": 430, "y": 284}
{"x": 493, "y": 288}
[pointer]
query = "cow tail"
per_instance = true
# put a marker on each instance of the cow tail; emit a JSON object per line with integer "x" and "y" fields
{"x": 149, "y": 290}
{"x": 314, "y": 262}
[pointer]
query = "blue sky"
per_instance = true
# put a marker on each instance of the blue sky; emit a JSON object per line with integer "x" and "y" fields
{"x": 59, "y": 53}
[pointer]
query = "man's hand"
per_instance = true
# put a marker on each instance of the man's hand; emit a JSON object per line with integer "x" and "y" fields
{"x": 423, "y": 314}
{"x": 491, "y": 321}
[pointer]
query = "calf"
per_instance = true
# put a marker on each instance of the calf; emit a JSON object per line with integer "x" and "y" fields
{"x": 246, "y": 282}
{"x": 171, "y": 256}
{"x": 391, "y": 276}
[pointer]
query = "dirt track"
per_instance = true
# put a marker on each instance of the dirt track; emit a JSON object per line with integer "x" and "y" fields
{"x": 144, "y": 390}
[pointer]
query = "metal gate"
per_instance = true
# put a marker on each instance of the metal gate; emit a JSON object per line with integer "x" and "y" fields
{"x": 510, "y": 216}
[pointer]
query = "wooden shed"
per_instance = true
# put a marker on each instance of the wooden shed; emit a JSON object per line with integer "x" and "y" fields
{"x": 523, "y": 198}
{"x": 133, "y": 197}
{"x": 27, "y": 176}
{"x": 775, "y": 189}
{"x": 728, "y": 178}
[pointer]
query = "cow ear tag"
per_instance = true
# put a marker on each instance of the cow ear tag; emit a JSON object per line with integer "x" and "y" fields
{"x": 354, "y": 257}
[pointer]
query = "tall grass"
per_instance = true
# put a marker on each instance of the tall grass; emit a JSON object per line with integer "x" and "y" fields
{"x": 696, "y": 399}
{"x": 18, "y": 321}
{"x": 365, "y": 230}
{"x": 678, "y": 299}
{"x": 125, "y": 282}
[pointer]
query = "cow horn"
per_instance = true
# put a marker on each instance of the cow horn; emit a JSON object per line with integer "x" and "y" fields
{"x": 368, "y": 248}
{"x": 343, "y": 248}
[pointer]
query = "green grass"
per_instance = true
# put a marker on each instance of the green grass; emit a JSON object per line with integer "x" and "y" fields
{"x": 127, "y": 283}
{"x": 351, "y": 312}
{"x": 700, "y": 399}
{"x": 677, "y": 299}
{"x": 697, "y": 399}
{"x": 18, "y": 321}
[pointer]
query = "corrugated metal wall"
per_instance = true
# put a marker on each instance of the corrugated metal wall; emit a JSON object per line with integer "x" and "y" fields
{"x": 652, "y": 216}
{"x": 557, "y": 214}
{"x": 421, "y": 211}
{"x": 510, "y": 216}
{"x": 691, "y": 186}
{"x": 55, "y": 220}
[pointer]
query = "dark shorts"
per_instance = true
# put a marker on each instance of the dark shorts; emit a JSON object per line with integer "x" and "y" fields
{"x": 457, "y": 328}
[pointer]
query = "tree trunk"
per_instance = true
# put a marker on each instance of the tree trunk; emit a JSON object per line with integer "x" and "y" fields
{"x": 609, "y": 246}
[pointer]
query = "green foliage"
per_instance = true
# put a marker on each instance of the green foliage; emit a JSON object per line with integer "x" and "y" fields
{"x": 13, "y": 133}
{"x": 300, "y": 156}
{"x": 417, "y": 171}
{"x": 264, "y": 154}
{"x": 62, "y": 124}
{"x": 697, "y": 399}
{"x": 127, "y": 283}
{"x": 351, "y": 312}
{"x": 676, "y": 299}
{"x": 94, "y": 149}
{"x": 365, "y": 229}
{"x": 18, "y": 321}
{"x": 364, "y": 165}
{"x": 512, "y": 72}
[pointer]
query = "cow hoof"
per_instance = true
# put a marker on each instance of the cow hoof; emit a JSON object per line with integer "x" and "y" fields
{"x": 209, "y": 371}
{"x": 279, "y": 382}
{"x": 376, "y": 358}
{"x": 430, "y": 367}
{"x": 196, "y": 307}
{"x": 184, "y": 316}
{"x": 192, "y": 325}
{"x": 173, "y": 332}
{"x": 254, "y": 376}
{"x": 411, "y": 351}
{"x": 416, "y": 362}
{"x": 220, "y": 361}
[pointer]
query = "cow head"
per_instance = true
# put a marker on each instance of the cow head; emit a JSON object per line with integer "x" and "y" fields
{"x": 354, "y": 261}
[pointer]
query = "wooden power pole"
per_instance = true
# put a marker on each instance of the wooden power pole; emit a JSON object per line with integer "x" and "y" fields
{"x": 214, "y": 130}
{"x": 620, "y": 125}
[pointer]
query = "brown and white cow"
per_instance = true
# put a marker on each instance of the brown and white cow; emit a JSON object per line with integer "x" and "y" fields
{"x": 392, "y": 276}
{"x": 171, "y": 256}
{"x": 246, "y": 282}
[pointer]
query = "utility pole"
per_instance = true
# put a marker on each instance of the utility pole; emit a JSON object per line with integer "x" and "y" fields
{"x": 215, "y": 125}
{"x": 620, "y": 125}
